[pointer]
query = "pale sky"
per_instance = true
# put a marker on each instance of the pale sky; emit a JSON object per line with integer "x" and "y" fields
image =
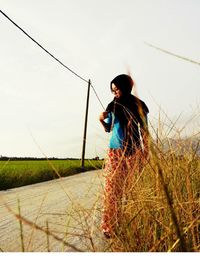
{"x": 43, "y": 104}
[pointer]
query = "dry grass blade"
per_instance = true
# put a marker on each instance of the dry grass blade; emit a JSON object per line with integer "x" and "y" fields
{"x": 35, "y": 221}
{"x": 35, "y": 226}
{"x": 47, "y": 233}
{"x": 21, "y": 226}
{"x": 173, "y": 214}
{"x": 186, "y": 230}
{"x": 173, "y": 54}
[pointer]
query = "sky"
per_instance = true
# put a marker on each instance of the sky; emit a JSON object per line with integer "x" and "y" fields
{"x": 43, "y": 104}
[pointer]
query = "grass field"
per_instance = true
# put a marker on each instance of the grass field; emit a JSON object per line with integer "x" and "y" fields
{"x": 16, "y": 173}
{"x": 160, "y": 203}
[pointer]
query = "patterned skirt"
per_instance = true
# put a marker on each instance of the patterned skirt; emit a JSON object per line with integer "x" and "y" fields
{"x": 117, "y": 169}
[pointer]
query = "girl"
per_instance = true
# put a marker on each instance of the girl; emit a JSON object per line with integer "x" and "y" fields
{"x": 126, "y": 117}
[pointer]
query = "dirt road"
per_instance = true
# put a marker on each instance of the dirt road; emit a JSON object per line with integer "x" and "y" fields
{"x": 59, "y": 215}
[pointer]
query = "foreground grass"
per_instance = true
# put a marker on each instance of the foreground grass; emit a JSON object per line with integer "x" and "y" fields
{"x": 161, "y": 203}
{"x": 19, "y": 173}
{"x": 160, "y": 208}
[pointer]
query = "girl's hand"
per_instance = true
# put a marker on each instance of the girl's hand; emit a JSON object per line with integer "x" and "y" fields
{"x": 103, "y": 116}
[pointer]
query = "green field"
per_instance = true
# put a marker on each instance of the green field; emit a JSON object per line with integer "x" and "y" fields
{"x": 16, "y": 173}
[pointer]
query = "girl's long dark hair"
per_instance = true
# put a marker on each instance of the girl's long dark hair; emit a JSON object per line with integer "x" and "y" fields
{"x": 124, "y": 83}
{"x": 128, "y": 109}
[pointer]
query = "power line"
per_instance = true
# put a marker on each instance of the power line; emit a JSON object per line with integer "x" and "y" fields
{"x": 69, "y": 69}
{"x": 95, "y": 92}
{"x": 173, "y": 54}
{"x": 43, "y": 47}
{"x": 60, "y": 62}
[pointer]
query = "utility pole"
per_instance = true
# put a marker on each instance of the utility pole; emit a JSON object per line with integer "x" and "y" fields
{"x": 85, "y": 126}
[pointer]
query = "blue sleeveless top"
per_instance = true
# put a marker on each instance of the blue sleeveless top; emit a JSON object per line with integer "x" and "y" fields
{"x": 117, "y": 137}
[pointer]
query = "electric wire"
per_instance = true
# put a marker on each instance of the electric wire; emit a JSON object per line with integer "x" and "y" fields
{"x": 56, "y": 59}
{"x": 95, "y": 92}
{"x": 30, "y": 37}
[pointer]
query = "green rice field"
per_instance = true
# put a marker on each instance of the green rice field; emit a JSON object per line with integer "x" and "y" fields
{"x": 16, "y": 173}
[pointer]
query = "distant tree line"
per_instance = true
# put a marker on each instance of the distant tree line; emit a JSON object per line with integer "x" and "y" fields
{"x": 6, "y": 158}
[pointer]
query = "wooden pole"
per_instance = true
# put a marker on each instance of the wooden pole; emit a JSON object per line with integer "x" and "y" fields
{"x": 85, "y": 126}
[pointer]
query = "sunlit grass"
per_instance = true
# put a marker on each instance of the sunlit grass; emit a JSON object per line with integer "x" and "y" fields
{"x": 19, "y": 173}
{"x": 160, "y": 205}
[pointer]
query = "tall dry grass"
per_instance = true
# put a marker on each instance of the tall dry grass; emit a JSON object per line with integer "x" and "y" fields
{"x": 160, "y": 205}
{"x": 161, "y": 200}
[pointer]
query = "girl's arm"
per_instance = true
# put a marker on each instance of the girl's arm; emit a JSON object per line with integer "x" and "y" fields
{"x": 106, "y": 125}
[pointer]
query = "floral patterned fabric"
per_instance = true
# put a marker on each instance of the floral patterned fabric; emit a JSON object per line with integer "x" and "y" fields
{"x": 117, "y": 168}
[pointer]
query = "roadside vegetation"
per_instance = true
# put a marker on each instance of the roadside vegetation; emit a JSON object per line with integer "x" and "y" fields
{"x": 160, "y": 206}
{"x": 16, "y": 173}
{"x": 161, "y": 201}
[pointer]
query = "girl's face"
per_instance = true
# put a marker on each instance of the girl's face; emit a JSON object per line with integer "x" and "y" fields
{"x": 117, "y": 92}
